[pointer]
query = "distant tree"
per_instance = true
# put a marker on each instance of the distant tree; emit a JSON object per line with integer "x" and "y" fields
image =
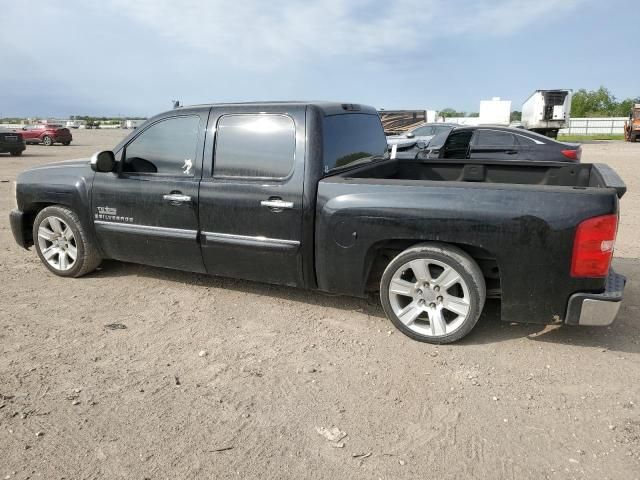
{"x": 450, "y": 112}
{"x": 515, "y": 116}
{"x": 600, "y": 103}
{"x": 625, "y": 106}
{"x": 473, "y": 114}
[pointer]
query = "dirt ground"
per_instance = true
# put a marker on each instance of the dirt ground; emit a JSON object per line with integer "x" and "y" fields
{"x": 219, "y": 378}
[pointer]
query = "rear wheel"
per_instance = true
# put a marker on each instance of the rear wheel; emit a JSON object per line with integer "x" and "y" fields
{"x": 47, "y": 140}
{"x": 16, "y": 153}
{"x": 66, "y": 144}
{"x": 63, "y": 244}
{"x": 433, "y": 293}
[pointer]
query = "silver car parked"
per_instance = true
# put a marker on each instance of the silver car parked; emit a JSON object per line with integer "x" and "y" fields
{"x": 420, "y": 135}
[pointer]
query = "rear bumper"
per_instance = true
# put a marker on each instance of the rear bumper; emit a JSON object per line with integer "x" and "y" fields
{"x": 12, "y": 147}
{"x": 63, "y": 139}
{"x": 597, "y": 309}
{"x": 17, "y": 221}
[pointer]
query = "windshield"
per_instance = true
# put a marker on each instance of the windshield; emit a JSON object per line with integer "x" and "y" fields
{"x": 352, "y": 139}
{"x": 439, "y": 139}
{"x": 636, "y": 114}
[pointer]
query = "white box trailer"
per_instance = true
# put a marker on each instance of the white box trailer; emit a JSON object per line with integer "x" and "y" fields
{"x": 547, "y": 111}
{"x": 494, "y": 112}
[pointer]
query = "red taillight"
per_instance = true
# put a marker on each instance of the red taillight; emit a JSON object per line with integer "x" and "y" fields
{"x": 593, "y": 246}
{"x": 572, "y": 154}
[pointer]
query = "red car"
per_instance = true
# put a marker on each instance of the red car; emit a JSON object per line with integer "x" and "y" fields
{"x": 46, "y": 134}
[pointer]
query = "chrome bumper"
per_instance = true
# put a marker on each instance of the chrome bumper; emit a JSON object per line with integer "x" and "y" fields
{"x": 597, "y": 309}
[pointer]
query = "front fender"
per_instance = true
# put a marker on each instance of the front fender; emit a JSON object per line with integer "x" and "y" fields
{"x": 66, "y": 183}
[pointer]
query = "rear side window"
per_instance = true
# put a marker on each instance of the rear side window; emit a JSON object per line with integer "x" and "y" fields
{"x": 351, "y": 138}
{"x": 522, "y": 140}
{"x": 165, "y": 148}
{"x": 255, "y": 145}
{"x": 493, "y": 138}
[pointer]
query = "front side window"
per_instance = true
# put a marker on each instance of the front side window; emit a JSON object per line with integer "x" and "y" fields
{"x": 255, "y": 145}
{"x": 165, "y": 148}
{"x": 493, "y": 138}
{"x": 457, "y": 144}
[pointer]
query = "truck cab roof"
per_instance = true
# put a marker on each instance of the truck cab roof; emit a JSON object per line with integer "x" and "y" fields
{"x": 327, "y": 108}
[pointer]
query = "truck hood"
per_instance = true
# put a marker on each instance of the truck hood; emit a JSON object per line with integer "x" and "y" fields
{"x": 79, "y": 162}
{"x": 58, "y": 172}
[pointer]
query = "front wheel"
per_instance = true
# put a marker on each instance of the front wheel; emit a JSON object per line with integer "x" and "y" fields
{"x": 47, "y": 141}
{"x": 433, "y": 293}
{"x": 63, "y": 244}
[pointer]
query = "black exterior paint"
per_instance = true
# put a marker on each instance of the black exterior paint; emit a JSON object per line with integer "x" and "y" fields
{"x": 329, "y": 239}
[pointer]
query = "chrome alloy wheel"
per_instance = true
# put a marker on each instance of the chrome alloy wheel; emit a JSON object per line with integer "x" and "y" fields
{"x": 57, "y": 243}
{"x": 429, "y": 297}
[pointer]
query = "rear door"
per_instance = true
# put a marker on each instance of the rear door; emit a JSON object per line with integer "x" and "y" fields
{"x": 147, "y": 211}
{"x": 251, "y": 194}
{"x": 488, "y": 144}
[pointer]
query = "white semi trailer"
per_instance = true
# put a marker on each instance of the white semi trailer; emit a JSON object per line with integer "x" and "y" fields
{"x": 547, "y": 111}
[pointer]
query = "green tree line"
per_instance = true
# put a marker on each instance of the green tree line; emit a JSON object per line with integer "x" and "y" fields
{"x": 600, "y": 103}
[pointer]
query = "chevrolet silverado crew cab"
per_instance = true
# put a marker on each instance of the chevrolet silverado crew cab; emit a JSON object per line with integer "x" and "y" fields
{"x": 306, "y": 195}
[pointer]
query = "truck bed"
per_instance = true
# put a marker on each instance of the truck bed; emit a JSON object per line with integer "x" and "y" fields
{"x": 580, "y": 176}
{"x": 511, "y": 217}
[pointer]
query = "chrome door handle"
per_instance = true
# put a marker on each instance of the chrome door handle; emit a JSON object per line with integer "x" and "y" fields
{"x": 277, "y": 204}
{"x": 176, "y": 197}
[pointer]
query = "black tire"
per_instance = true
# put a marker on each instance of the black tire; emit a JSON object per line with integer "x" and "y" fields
{"x": 17, "y": 153}
{"x": 462, "y": 264}
{"x": 66, "y": 144}
{"x": 47, "y": 141}
{"x": 87, "y": 257}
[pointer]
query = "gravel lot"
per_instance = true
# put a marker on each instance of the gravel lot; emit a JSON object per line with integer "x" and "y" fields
{"x": 219, "y": 378}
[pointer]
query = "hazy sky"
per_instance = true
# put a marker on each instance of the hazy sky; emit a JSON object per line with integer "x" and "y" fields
{"x": 132, "y": 57}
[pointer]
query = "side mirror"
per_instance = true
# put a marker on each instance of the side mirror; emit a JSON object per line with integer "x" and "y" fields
{"x": 410, "y": 135}
{"x": 104, "y": 161}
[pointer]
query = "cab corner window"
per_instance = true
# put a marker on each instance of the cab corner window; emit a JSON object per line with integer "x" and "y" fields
{"x": 254, "y": 145}
{"x": 165, "y": 148}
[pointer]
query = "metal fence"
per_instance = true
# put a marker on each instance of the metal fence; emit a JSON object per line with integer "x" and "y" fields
{"x": 595, "y": 126}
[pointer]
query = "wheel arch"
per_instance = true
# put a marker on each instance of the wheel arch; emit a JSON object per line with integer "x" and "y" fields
{"x": 381, "y": 253}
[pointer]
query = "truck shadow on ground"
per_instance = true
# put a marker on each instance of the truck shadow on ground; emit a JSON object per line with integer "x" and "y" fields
{"x": 622, "y": 336}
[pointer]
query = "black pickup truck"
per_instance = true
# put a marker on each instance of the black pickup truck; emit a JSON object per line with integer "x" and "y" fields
{"x": 306, "y": 195}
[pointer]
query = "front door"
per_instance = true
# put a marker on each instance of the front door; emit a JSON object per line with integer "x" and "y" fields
{"x": 147, "y": 211}
{"x": 251, "y": 194}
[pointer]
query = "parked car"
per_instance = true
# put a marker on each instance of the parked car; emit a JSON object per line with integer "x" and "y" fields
{"x": 420, "y": 135}
{"x": 47, "y": 134}
{"x": 499, "y": 143}
{"x": 305, "y": 195}
{"x": 11, "y": 142}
